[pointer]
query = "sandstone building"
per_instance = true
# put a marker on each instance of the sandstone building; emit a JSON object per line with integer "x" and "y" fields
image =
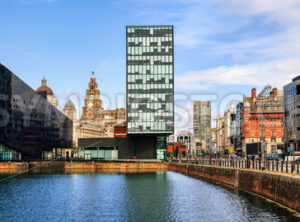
{"x": 95, "y": 122}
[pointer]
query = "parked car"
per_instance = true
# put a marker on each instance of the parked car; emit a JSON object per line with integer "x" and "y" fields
{"x": 270, "y": 158}
{"x": 298, "y": 160}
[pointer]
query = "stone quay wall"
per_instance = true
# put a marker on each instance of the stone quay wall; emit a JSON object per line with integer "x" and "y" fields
{"x": 13, "y": 167}
{"x": 36, "y": 166}
{"x": 280, "y": 187}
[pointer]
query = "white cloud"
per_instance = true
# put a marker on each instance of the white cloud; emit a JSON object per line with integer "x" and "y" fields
{"x": 276, "y": 73}
{"x": 244, "y": 30}
{"x": 279, "y": 34}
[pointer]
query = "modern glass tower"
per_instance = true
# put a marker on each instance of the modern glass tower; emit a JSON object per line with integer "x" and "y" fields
{"x": 150, "y": 80}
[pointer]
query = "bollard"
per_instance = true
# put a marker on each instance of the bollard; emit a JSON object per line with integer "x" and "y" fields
{"x": 272, "y": 165}
{"x": 276, "y": 165}
{"x": 259, "y": 164}
{"x": 286, "y": 166}
{"x": 292, "y": 167}
{"x": 297, "y": 168}
{"x": 282, "y": 162}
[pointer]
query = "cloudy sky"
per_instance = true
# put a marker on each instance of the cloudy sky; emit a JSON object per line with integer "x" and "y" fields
{"x": 223, "y": 48}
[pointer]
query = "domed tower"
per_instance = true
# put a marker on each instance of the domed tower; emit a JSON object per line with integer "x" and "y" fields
{"x": 92, "y": 103}
{"x": 70, "y": 110}
{"x": 47, "y": 93}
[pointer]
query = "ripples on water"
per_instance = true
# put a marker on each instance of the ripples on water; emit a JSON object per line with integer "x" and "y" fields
{"x": 159, "y": 196}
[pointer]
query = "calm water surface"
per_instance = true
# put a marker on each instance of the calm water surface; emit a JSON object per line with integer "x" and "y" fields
{"x": 158, "y": 196}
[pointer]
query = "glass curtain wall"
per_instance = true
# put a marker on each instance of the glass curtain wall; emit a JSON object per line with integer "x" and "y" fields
{"x": 150, "y": 80}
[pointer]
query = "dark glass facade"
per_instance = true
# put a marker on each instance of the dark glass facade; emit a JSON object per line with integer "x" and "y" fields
{"x": 150, "y": 80}
{"x": 28, "y": 123}
{"x": 8, "y": 153}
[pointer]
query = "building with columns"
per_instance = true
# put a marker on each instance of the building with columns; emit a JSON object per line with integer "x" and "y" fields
{"x": 82, "y": 128}
{"x": 94, "y": 113}
{"x": 95, "y": 122}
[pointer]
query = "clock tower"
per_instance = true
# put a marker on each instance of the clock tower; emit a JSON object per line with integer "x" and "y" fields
{"x": 92, "y": 103}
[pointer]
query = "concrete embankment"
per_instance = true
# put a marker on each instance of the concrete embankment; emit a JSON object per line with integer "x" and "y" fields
{"x": 282, "y": 188}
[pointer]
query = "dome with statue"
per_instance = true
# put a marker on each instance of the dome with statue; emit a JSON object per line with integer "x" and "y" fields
{"x": 45, "y": 88}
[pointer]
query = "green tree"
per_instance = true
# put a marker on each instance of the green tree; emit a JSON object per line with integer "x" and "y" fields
{"x": 183, "y": 153}
{"x": 176, "y": 152}
{"x": 74, "y": 148}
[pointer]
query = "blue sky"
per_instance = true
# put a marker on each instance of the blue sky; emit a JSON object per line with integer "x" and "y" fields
{"x": 223, "y": 48}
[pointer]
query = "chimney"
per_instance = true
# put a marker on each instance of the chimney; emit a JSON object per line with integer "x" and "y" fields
{"x": 253, "y": 93}
{"x": 274, "y": 93}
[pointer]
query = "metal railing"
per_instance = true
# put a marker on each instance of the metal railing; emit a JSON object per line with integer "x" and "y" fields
{"x": 269, "y": 165}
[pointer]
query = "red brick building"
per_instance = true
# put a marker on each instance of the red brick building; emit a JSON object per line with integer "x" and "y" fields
{"x": 262, "y": 120}
{"x": 173, "y": 146}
